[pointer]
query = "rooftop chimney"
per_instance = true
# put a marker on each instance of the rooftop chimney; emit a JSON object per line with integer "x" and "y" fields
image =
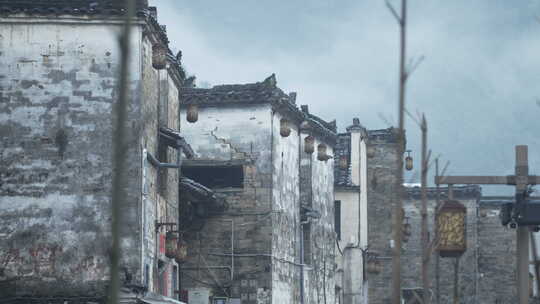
{"x": 153, "y": 11}
{"x": 292, "y": 96}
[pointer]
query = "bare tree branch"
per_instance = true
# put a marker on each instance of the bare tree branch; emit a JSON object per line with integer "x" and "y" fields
{"x": 416, "y": 120}
{"x": 411, "y": 67}
{"x": 385, "y": 119}
{"x": 434, "y": 159}
{"x": 442, "y": 175}
{"x": 394, "y": 12}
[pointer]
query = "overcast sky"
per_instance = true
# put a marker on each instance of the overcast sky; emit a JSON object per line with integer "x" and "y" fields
{"x": 478, "y": 84}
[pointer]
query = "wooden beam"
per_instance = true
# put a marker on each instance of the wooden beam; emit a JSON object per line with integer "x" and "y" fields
{"x": 474, "y": 180}
{"x": 534, "y": 180}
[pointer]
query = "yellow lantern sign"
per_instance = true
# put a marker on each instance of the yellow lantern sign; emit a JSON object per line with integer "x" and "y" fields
{"x": 451, "y": 229}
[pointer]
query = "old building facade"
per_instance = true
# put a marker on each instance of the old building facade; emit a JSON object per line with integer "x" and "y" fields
{"x": 486, "y": 272}
{"x": 469, "y": 196}
{"x": 351, "y": 217}
{"x": 268, "y": 203}
{"x": 58, "y": 87}
{"x": 382, "y": 152}
{"x": 272, "y": 164}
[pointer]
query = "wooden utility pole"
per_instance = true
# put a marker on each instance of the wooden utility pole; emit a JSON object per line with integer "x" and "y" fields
{"x": 437, "y": 258}
{"x": 522, "y": 172}
{"x": 521, "y": 180}
{"x": 456, "y": 281}
{"x": 119, "y": 151}
{"x": 425, "y": 242}
{"x": 398, "y": 210}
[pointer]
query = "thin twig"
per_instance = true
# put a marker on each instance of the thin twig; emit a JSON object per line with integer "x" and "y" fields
{"x": 413, "y": 65}
{"x": 413, "y": 118}
{"x": 444, "y": 169}
{"x": 385, "y": 119}
{"x": 393, "y": 11}
{"x": 433, "y": 160}
{"x": 119, "y": 151}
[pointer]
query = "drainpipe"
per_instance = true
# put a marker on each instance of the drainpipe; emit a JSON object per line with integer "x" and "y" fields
{"x": 302, "y": 259}
{"x": 143, "y": 214}
{"x": 154, "y": 161}
{"x": 179, "y": 176}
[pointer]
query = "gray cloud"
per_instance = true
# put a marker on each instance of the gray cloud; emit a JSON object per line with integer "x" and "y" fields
{"x": 477, "y": 86}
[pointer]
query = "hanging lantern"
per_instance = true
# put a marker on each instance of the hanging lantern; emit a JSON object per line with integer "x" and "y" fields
{"x": 309, "y": 144}
{"x": 370, "y": 153}
{"x": 373, "y": 266}
{"x": 285, "y": 129}
{"x": 408, "y": 161}
{"x": 159, "y": 56}
{"x": 343, "y": 162}
{"x": 181, "y": 253}
{"x": 305, "y": 126}
{"x": 171, "y": 245}
{"x": 451, "y": 229}
{"x": 406, "y": 230}
{"x": 192, "y": 113}
{"x": 321, "y": 153}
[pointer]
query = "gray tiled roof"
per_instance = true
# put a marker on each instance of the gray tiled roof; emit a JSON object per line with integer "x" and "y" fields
{"x": 259, "y": 92}
{"x": 342, "y": 176}
{"x": 75, "y": 7}
{"x": 386, "y": 135}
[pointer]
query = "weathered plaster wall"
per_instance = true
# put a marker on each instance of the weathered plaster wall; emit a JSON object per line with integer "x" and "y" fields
{"x": 286, "y": 199}
{"x": 265, "y": 213}
{"x": 242, "y": 134}
{"x": 319, "y": 245}
{"x": 354, "y": 221}
{"x": 57, "y": 92}
{"x": 323, "y": 234}
{"x": 350, "y": 201}
{"x": 160, "y": 108}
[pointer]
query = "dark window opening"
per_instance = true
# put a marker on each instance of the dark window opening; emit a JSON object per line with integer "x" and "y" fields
{"x": 162, "y": 279}
{"x": 337, "y": 218}
{"x": 162, "y": 174}
{"x": 306, "y": 231}
{"x": 174, "y": 282}
{"x": 216, "y": 176}
{"x": 146, "y": 275}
